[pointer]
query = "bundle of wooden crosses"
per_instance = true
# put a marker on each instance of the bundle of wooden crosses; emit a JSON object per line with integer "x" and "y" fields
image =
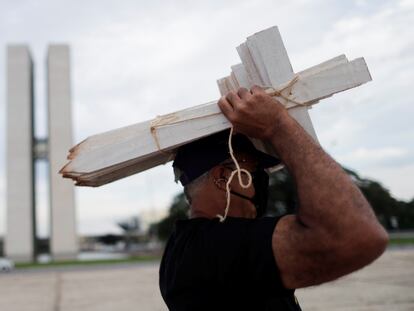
{"x": 109, "y": 156}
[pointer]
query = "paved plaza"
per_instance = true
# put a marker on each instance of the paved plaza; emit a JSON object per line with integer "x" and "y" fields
{"x": 388, "y": 284}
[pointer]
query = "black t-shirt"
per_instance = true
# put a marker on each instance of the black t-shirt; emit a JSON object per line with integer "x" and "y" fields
{"x": 208, "y": 265}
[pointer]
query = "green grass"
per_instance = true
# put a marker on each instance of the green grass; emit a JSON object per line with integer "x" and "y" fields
{"x": 401, "y": 241}
{"x": 87, "y": 262}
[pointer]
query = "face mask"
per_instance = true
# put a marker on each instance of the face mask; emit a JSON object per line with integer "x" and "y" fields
{"x": 261, "y": 189}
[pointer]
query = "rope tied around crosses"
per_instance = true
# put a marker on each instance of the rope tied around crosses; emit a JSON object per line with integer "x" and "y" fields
{"x": 169, "y": 119}
{"x": 279, "y": 92}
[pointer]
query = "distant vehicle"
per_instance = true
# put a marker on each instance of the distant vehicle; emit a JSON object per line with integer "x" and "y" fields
{"x": 6, "y": 265}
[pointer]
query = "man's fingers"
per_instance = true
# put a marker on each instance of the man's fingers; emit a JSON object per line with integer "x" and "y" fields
{"x": 257, "y": 90}
{"x": 226, "y": 107}
{"x": 244, "y": 93}
{"x": 233, "y": 98}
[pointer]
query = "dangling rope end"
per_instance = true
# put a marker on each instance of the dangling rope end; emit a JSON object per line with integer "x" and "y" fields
{"x": 237, "y": 171}
{"x": 221, "y": 218}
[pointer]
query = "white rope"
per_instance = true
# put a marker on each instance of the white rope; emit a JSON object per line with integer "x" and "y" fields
{"x": 170, "y": 119}
{"x": 239, "y": 171}
{"x": 279, "y": 92}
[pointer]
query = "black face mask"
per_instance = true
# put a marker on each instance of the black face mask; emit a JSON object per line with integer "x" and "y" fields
{"x": 261, "y": 188}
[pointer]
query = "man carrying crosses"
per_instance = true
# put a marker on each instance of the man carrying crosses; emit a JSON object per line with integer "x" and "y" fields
{"x": 227, "y": 256}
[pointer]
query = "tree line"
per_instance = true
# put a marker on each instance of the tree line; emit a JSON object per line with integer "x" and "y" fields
{"x": 392, "y": 213}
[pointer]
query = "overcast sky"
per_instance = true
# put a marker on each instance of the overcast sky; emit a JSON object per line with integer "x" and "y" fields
{"x": 132, "y": 60}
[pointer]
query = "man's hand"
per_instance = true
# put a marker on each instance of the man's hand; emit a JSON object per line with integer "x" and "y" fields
{"x": 253, "y": 113}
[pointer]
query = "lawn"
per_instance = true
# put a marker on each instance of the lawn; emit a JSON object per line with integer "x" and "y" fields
{"x": 88, "y": 262}
{"x": 402, "y": 241}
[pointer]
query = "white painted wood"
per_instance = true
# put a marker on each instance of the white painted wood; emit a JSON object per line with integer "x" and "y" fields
{"x": 270, "y": 57}
{"x": 258, "y": 64}
{"x": 338, "y": 60}
{"x": 231, "y": 84}
{"x": 221, "y": 83}
{"x": 241, "y": 76}
{"x": 227, "y": 84}
{"x": 246, "y": 58}
{"x": 234, "y": 81}
{"x": 129, "y": 168}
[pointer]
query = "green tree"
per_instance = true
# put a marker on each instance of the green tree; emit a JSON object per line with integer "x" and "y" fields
{"x": 178, "y": 210}
{"x": 392, "y": 213}
{"x": 282, "y": 194}
{"x": 130, "y": 227}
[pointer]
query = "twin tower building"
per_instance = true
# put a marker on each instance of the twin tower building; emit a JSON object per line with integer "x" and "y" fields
{"x": 23, "y": 149}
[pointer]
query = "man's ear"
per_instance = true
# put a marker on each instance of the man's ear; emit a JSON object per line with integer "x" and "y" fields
{"x": 218, "y": 176}
{"x": 218, "y": 172}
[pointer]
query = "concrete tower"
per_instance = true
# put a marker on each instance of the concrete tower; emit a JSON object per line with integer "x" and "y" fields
{"x": 21, "y": 225}
{"x": 63, "y": 241}
{"x": 23, "y": 150}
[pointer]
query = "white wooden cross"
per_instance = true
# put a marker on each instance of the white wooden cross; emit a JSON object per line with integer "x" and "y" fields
{"x": 109, "y": 156}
